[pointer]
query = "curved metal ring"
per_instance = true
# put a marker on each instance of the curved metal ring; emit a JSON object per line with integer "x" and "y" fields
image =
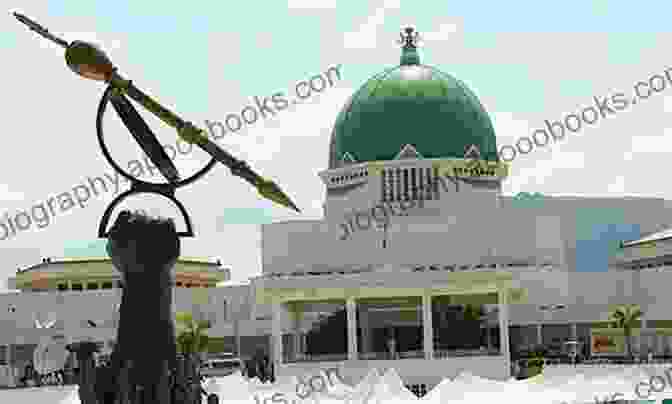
{"x": 139, "y": 186}
{"x": 99, "y": 129}
{"x": 102, "y": 233}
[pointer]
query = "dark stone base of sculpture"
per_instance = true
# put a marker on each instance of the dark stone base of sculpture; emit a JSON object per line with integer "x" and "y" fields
{"x": 178, "y": 386}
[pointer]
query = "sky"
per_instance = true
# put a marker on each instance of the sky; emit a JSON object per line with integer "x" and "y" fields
{"x": 526, "y": 61}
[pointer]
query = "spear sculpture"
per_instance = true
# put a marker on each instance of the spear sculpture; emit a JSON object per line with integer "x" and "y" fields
{"x": 89, "y": 61}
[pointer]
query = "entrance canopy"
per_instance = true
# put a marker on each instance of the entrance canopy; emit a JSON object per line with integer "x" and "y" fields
{"x": 392, "y": 284}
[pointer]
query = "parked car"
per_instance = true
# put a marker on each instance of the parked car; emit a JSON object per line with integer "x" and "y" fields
{"x": 220, "y": 367}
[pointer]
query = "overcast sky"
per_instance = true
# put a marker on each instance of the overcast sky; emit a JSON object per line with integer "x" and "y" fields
{"x": 526, "y": 61}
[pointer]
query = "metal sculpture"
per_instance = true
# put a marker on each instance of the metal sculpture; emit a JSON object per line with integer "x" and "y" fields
{"x": 89, "y": 61}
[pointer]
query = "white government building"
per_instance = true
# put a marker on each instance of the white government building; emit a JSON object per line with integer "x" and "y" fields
{"x": 400, "y": 295}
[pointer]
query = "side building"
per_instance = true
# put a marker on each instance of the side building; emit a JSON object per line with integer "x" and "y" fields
{"x": 556, "y": 304}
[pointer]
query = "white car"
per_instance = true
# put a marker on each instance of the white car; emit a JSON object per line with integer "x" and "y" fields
{"x": 220, "y": 367}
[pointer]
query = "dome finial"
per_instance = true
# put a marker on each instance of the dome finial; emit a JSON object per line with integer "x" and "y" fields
{"x": 409, "y": 38}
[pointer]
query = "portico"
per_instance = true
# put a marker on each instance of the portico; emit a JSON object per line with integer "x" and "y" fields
{"x": 415, "y": 306}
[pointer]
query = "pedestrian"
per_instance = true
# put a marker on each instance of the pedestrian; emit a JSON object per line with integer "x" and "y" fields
{"x": 392, "y": 346}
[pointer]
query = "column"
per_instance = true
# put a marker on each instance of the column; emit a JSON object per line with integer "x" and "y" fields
{"x": 427, "y": 327}
{"x": 253, "y": 299}
{"x": 351, "y": 311}
{"x": 297, "y": 335}
{"x": 276, "y": 335}
{"x": 236, "y": 324}
{"x": 642, "y": 298}
{"x": 645, "y": 339}
{"x": 655, "y": 344}
{"x": 296, "y": 310}
{"x": 573, "y": 349}
{"x": 304, "y": 343}
{"x": 504, "y": 327}
{"x": 540, "y": 338}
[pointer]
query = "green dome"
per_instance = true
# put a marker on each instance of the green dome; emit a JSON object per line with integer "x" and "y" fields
{"x": 411, "y": 104}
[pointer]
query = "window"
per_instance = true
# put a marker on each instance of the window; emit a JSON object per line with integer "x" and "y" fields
{"x": 389, "y": 328}
{"x": 92, "y": 286}
{"x": 3, "y": 355}
{"x": 77, "y": 286}
{"x": 320, "y": 334}
{"x": 225, "y": 311}
{"x": 410, "y": 184}
{"x": 107, "y": 285}
{"x": 477, "y": 319}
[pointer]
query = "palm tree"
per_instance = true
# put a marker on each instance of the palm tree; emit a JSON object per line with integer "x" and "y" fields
{"x": 625, "y": 317}
{"x": 191, "y": 338}
{"x": 192, "y": 342}
{"x": 473, "y": 317}
{"x": 473, "y": 313}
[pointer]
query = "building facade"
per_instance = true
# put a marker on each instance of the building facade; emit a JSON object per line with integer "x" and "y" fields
{"x": 420, "y": 263}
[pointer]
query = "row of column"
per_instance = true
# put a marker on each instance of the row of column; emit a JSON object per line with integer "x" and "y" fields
{"x": 427, "y": 326}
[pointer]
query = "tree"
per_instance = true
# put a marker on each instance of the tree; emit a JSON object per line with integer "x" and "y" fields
{"x": 192, "y": 342}
{"x": 625, "y": 317}
{"x": 473, "y": 313}
{"x": 468, "y": 322}
{"x": 192, "y": 339}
